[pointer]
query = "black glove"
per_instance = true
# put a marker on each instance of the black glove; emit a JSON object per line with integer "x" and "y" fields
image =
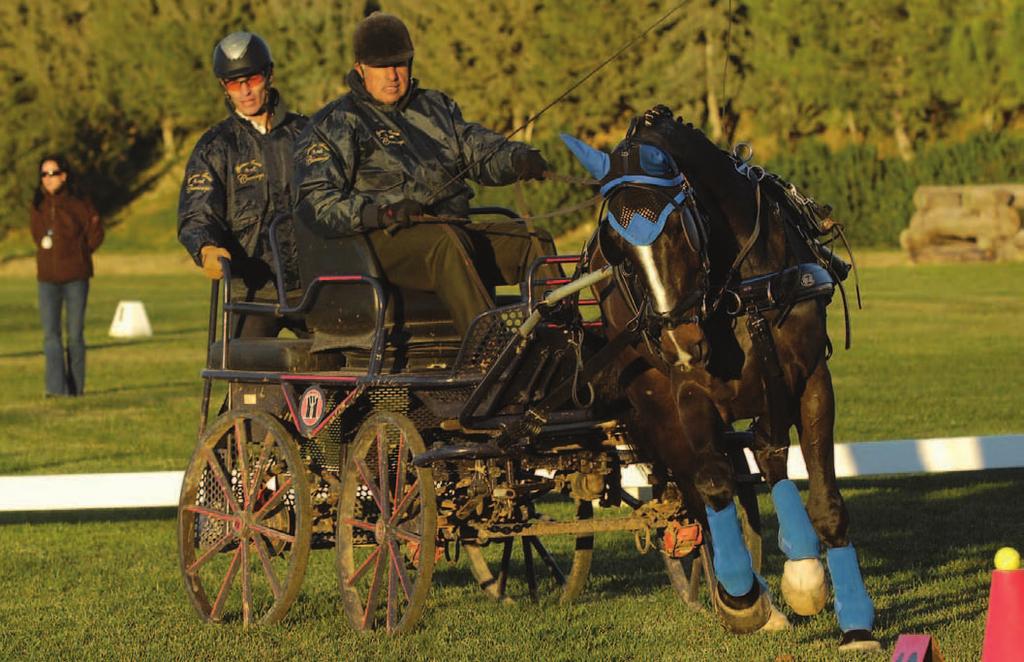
{"x": 391, "y": 217}
{"x": 529, "y": 164}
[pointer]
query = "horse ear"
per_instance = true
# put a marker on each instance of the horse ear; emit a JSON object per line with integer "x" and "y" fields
{"x": 595, "y": 161}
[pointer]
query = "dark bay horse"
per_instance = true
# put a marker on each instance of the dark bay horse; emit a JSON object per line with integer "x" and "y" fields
{"x": 727, "y": 303}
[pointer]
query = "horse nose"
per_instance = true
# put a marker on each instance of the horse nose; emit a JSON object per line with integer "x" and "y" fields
{"x": 689, "y": 345}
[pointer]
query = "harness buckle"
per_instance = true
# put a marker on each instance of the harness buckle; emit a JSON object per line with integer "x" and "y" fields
{"x": 736, "y": 302}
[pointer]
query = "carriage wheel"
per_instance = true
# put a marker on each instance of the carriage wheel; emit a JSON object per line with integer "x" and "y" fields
{"x": 570, "y": 584}
{"x": 685, "y": 573}
{"x": 387, "y": 526}
{"x": 244, "y": 520}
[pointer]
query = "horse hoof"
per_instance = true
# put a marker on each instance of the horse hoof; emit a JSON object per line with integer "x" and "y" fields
{"x": 859, "y": 640}
{"x": 803, "y": 586}
{"x": 758, "y": 616}
{"x": 777, "y": 621}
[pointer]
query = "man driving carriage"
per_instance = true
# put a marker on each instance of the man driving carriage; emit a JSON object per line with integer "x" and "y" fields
{"x": 237, "y": 182}
{"x": 387, "y": 154}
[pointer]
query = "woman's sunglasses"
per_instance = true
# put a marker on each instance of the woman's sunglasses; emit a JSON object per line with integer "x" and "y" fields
{"x": 235, "y": 84}
{"x": 50, "y": 173}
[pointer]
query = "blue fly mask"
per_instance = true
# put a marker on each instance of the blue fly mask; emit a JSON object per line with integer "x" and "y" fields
{"x": 644, "y": 194}
{"x": 655, "y": 185}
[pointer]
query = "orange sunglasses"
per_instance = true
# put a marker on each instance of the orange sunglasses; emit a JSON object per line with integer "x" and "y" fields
{"x": 235, "y": 84}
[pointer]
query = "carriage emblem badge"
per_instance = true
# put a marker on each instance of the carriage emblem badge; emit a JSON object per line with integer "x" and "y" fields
{"x": 311, "y": 406}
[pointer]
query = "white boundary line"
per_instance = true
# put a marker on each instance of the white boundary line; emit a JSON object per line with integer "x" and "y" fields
{"x": 160, "y": 489}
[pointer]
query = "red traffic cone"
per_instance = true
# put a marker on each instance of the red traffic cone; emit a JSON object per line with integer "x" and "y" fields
{"x": 1004, "y": 634}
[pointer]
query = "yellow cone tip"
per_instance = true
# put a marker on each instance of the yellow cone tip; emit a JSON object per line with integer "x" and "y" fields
{"x": 1007, "y": 558}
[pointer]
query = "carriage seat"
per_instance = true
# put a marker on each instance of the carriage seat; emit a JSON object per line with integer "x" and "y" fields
{"x": 342, "y": 316}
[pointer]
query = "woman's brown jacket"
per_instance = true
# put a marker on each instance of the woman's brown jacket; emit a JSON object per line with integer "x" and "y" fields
{"x": 74, "y": 231}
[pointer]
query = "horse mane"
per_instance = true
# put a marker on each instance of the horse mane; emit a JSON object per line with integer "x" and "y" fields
{"x": 727, "y": 197}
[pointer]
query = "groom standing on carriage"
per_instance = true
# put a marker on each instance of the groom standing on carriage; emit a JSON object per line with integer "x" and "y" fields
{"x": 388, "y": 155}
{"x": 236, "y": 184}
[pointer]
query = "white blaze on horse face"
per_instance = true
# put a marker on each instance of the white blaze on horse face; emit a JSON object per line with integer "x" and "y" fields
{"x": 684, "y": 359}
{"x": 645, "y": 256}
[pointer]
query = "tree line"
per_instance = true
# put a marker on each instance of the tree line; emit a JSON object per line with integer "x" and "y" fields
{"x": 893, "y": 88}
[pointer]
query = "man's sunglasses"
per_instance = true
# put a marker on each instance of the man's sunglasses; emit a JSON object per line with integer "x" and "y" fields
{"x": 50, "y": 173}
{"x": 235, "y": 84}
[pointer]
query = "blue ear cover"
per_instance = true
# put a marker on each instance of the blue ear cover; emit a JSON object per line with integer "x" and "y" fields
{"x": 595, "y": 161}
{"x": 657, "y": 163}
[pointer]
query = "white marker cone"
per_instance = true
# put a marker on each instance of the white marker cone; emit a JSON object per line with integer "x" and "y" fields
{"x": 130, "y": 321}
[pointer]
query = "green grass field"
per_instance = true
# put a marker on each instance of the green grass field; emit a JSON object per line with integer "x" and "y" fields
{"x": 936, "y": 352}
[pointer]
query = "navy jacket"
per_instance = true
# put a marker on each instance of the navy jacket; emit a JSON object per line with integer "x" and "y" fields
{"x": 359, "y": 152}
{"x": 237, "y": 182}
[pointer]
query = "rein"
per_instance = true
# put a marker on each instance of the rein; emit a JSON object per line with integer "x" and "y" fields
{"x": 506, "y": 138}
{"x": 561, "y": 211}
{"x": 741, "y": 257}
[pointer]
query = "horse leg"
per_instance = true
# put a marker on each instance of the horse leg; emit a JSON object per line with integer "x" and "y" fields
{"x": 854, "y": 609}
{"x": 743, "y": 602}
{"x": 803, "y": 576}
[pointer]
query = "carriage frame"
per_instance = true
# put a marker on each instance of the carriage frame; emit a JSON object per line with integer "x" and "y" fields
{"x": 398, "y": 460}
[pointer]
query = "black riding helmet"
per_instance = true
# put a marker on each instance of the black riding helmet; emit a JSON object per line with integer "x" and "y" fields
{"x": 382, "y": 40}
{"x": 241, "y": 54}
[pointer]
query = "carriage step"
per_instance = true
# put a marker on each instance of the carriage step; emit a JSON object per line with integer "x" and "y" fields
{"x": 448, "y": 453}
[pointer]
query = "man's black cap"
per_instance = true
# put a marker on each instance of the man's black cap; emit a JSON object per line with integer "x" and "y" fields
{"x": 382, "y": 40}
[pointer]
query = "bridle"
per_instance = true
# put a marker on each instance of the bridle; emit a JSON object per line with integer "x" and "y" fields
{"x": 641, "y": 281}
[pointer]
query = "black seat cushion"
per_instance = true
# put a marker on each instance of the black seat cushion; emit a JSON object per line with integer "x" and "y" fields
{"x": 342, "y": 315}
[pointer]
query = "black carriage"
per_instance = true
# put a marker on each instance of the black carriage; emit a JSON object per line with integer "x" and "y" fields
{"x": 391, "y": 439}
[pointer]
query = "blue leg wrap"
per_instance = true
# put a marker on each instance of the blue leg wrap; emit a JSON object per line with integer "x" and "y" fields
{"x": 797, "y": 538}
{"x": 732, "y": 560}
{"x": 853, "y": 604}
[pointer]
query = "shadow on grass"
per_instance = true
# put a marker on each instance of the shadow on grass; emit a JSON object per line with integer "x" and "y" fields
{"x": 76, "y": 516}
{"x": 915, "y": 530}
{"x": 145, "y": 387}
{"x": 155, "y": 338}
{"x": 925, "y": 543}
{"x": 31, "y": 469}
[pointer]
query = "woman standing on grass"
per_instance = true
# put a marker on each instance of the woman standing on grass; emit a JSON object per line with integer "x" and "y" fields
{"x": 67, "y": 230}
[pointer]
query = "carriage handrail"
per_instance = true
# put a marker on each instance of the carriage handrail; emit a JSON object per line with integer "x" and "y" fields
{"x": 563, "y": 292}
{"x": 537, "y": 264}
{"x": 211, "y": 336}
{"x": 279, "y": 309}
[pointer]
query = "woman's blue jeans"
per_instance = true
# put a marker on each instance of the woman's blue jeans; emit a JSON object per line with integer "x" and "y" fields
{"x": 64, "y": 376}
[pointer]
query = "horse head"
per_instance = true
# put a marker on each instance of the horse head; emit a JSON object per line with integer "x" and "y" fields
{"x": 653, "y": 233}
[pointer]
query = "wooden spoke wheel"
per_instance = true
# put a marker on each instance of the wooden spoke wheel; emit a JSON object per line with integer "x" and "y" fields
{"x": 244, "y": 520}
{"x": 567, "y": 570}
{"x": 685, "y": 573}
{"x": 387, "y": 526}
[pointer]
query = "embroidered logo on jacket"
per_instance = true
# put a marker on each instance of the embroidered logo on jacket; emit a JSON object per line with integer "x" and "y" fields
{"x": 199, "y": 181}
{"x": 316, "y": 153}
{"x": 389, "y": 137}
{"x": 250, "y": 171}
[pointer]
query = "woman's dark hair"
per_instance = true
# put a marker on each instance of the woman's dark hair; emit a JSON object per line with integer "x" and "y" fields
{"x": 69, "y": 185}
